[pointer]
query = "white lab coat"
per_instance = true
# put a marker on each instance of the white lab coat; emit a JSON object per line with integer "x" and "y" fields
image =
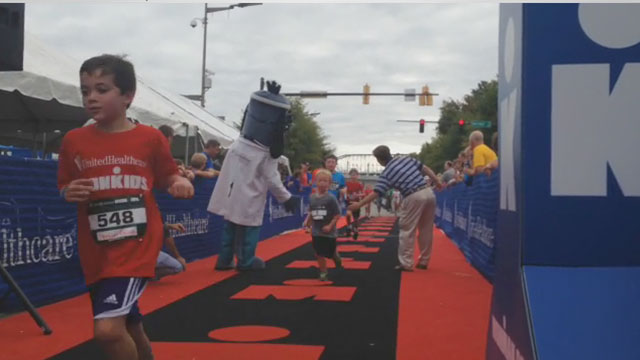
{"x": 247, "y": 173}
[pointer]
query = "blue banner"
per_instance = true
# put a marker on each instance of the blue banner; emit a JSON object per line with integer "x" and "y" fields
{"x": 467, "y": 214}
{"x": 38, "y": 230}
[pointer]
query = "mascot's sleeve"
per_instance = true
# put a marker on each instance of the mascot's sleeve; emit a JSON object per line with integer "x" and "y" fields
{"x": 269, "y": 171}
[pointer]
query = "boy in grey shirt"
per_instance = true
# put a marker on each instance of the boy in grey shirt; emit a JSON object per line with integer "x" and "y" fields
{"x": 324, "y": 212}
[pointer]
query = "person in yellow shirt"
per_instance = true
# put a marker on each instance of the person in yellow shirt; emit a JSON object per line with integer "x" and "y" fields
{"x": 484, "y": 159}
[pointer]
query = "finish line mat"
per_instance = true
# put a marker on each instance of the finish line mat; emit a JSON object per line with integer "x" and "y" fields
{"x": 366, "y": 311}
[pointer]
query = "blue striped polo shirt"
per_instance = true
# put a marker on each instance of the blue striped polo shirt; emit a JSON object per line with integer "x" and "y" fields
{"x": 403, "y": 173}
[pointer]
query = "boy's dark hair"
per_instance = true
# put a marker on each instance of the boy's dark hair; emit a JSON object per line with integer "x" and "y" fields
{"x": 382, "y": 153}
{"x": 331, "y": 156}
{"x": 166, "y": 130}
{"x": 212, "y": 143}
{"x": 124, "y": 76}
{"x": 179, "y": 162}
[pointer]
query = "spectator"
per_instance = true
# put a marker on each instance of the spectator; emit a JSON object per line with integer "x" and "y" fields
{"x": 214, "y": 154}
{"x": 198, "y": 165}
{"x": 355, "y": 191}
{"x": 482, "y": 154}
{"x": 305, "y": 174}
{"x": 293, "y": 182}
{"x": 449, "y": 172}
{"x": 417, "y": 208}
{"x": 184, "y": 171}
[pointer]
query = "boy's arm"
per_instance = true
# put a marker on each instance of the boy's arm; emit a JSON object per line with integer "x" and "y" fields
{"x": 179, "y": 187}
{"x": 72, "y": 188}
{"x": 209, "y": 173}
{"x": 334, "y": 221}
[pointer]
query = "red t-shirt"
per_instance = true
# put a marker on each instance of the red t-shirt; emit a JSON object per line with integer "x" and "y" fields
{"x": 354, "y": 191}
{"x": 128, "y": 163}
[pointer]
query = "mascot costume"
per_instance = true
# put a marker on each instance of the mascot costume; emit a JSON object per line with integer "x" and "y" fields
{"x": 249, "y": 170}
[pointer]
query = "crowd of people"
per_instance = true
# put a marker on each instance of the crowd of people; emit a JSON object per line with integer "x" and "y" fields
{"x": 476, "y": 158}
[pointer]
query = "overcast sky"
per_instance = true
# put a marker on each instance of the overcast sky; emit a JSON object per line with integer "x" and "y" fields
{"x": 331, "y": 47}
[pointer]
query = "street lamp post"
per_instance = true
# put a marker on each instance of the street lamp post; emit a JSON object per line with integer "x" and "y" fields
{"x": 204, "y": 21}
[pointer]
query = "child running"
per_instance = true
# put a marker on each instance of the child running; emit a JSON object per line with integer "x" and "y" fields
{"x": 355, "y": 191}
{"x": 109, "y": 169}
{"x": 324, "y": 213}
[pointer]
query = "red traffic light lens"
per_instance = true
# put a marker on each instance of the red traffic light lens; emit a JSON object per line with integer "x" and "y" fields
{"x": 421, "y": 121}
{"x": 461, "y": 122}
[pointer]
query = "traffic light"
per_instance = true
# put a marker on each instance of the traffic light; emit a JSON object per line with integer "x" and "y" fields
{"x": 421, "y": 125}
{"x": 365, "y": 91}
{"x": 429, "y": 97}
{"x": 422, "y": 100}
{"x": 425, "y": 99}
{"x": 461, "y": 124}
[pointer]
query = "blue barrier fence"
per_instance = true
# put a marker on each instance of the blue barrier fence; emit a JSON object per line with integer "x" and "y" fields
{"x": 468, "y": 214}
{"x": 38, "y": 230}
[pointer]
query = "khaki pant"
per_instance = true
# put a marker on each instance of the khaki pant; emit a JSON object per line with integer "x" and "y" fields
{"x": 416, "y": 214}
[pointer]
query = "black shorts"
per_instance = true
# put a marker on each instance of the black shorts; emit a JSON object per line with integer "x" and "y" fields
{"x": 324, "y": 246}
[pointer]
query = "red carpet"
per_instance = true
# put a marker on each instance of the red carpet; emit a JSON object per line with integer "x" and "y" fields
{"x": 443, "y": 312}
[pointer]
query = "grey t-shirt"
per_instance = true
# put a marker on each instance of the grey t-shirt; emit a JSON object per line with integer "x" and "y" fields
{"x": 323, "y": 208}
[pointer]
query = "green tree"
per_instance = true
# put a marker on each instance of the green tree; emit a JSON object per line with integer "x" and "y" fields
{"x": 480, "y": 105}
{"x": 305, "y": 140}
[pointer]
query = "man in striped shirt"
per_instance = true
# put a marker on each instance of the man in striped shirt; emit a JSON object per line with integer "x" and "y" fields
{"x": 417, "y": 208}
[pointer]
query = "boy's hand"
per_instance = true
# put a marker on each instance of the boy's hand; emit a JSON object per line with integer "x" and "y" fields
{"x": 177, "y": 227}
{"x": 327, "y": 228}
{"x": 78, "y": 190}
{"x": 181, "y": 189}
{"x": 353, "y": 207}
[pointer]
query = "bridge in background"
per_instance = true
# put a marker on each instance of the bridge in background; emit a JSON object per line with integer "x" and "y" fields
{"x": 366, "y": 164}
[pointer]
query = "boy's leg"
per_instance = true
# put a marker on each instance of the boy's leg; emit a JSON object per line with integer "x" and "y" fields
{"x": 143, "y": 345}
{"x": 322, "y": 266}
{"x": 114, "y": 303}
{"x": 113, "y": 337}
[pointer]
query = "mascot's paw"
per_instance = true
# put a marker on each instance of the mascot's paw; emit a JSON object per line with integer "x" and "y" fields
{"x": 256, "y": 264}
{"x": 292, "y": 205}
{"x": 220, "y": 265}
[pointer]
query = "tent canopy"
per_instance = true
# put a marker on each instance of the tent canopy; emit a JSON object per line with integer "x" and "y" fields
{"x": 43, "y": 102}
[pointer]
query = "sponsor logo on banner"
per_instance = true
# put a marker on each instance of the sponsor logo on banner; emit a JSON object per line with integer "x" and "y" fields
{"x": 17, "y": 249}
{"x": 193, "y": 225}
{"x": 478, "y": 229}
{"x": 460, "y": 221}
{"x": 447, "y": 215}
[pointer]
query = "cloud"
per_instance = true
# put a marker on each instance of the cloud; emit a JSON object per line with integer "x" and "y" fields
{"x": 332, "y": 47}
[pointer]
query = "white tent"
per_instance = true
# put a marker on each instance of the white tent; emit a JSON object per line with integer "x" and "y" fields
{"x": 45, "y": 97}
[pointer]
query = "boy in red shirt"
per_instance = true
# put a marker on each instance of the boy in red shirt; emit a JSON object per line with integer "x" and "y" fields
{"x": 109, "y": 169}
{"x": 354, "y": 194}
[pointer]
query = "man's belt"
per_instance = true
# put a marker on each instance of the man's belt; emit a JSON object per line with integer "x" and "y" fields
{"x": 415, "y": 190}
